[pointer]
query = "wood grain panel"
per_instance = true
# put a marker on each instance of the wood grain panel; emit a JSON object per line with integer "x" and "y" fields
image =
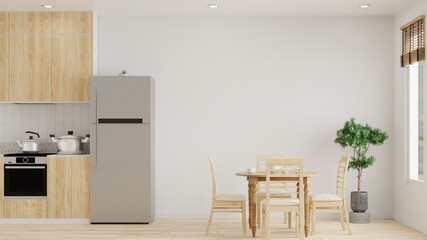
{"x": 72, "y": 55}
{"x": 72, "y": 22}
{"x": 24, "y": 208}
{"x": 80, "y": 187}
{"x": 4, "y": 56}
{"x": 30, "y": 56}
{"x": 68, "y": 187}
{"x": 71, "y": 67}
{"x": 59, "y": 179}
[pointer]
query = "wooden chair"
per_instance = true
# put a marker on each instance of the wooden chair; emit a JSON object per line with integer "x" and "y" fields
{"x": 261, "y": 160}
{"x": 294, "y": 204}
{"x": 226, "y": 202}
{"x": 333, "y": 202}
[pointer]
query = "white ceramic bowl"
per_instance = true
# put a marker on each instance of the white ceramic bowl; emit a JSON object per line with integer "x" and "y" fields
{"x": 251, "y": 170}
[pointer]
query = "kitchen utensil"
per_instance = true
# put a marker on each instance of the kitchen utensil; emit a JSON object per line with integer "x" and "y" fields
{"x": 30, "y": 145}
{"x": 70, "y": 144}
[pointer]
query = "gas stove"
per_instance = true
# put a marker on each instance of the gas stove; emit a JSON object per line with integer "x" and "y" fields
{"x": 39, "y": 154}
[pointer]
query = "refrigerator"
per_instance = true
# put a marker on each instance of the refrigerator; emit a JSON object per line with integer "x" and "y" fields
{"x": 122, "y": 149}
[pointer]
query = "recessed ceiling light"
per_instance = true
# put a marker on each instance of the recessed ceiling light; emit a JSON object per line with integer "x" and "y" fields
{"x": 213, "y": 6}
{"x": 47, "y": 6}
{"x": 364, "y": 6}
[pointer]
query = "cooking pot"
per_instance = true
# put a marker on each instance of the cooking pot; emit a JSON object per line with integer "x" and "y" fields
{"x": 30, "y": 145}
{"x": 70, "y": 144}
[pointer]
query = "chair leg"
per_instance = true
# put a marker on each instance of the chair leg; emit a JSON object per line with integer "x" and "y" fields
{"x": 340, "y": 211}
{"x": 313, "y": 219}
{"x": 208, "y": 228}
{"x": 289, "y": 220}
{"x": 297, "y": 226}
{"x": 258, "y": 212}
{"x": 301, "y": 226}
{"x": 244, "y": 217}
{"x": 346, "y": 219}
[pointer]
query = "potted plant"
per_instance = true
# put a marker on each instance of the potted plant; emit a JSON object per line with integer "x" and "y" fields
{"x": 360, "y": 138}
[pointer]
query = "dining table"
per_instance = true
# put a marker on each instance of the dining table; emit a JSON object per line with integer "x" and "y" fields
{"x": 260, "y": 176}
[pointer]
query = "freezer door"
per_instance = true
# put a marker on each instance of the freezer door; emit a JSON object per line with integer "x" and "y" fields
{"x": 121, "y": 181}
{"x": 121, "y": 97}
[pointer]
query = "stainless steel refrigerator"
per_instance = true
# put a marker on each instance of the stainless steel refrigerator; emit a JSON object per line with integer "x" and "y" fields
{"x": 122, "y": 149}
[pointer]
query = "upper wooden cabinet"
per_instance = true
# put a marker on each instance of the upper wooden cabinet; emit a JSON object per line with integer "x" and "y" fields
{"x": 71, "y": 56}
{"x": 45, "y": 56}
{"x": 30, "y": 56}
{"x": 4, "y": 56}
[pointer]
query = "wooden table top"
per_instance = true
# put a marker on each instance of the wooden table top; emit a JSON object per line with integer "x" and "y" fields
{"x": 263, "y": 174}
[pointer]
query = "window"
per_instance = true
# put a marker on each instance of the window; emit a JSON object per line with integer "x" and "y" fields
{"x": 416, "y": 122}
{"x": 413, "y": 54}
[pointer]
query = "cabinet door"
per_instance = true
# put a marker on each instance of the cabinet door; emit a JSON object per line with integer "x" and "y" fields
{"x": 59, "y": 179}
{"x": 4, "y": 56}
{"x": 24, "y": 208}
{"x": 71, "y": 56}
{"x": 68, "y": 187}
{"x": 80, "y": 187}
{"x": 30, "y": 56}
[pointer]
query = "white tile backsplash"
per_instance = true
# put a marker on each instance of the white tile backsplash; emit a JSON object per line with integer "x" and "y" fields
{"x": 44, "y": 119}
{"x": 17, "y": 116}
{"x": 8, "y": 113}
{"x": 42, "y": 113}
{"x": 1, "y": 114}
{"x": 68, "y": 113}
{"x": 25, "y": 114}
{"x": 34, "y": 114}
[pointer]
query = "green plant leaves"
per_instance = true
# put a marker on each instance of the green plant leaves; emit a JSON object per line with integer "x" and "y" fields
{"x": 360, "y": 137}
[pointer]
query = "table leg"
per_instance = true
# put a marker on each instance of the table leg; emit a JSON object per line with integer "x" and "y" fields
{"x": 252, "y": 204}
{"x": 306, "y": 205}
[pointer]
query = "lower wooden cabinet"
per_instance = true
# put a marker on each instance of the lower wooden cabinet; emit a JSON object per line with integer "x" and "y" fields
{"x": 68, "y": 187}
{"x": 24, "y": 208}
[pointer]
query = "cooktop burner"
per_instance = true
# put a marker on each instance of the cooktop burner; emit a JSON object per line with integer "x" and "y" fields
{"x": 40, "y": 154}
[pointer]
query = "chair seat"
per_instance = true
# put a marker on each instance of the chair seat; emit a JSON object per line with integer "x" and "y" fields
{"x": 325, "y": 197}
{"x": 282, "y": 202}
{"x": 275, "y": 194}
{"x": 230, "y": 197}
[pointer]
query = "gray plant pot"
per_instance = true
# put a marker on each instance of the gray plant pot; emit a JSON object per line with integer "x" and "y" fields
{"x": 359, "y": 202}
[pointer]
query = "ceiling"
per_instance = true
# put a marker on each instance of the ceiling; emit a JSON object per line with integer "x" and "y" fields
{"x": 227, "y": 7}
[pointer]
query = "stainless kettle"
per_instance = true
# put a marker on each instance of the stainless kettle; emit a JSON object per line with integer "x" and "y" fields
{"x": 30, "y": 145}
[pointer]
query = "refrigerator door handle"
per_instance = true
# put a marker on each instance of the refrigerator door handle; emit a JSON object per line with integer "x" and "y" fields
{"x": 120, "y": 120}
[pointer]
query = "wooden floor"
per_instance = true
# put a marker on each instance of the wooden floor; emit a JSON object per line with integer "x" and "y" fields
{"x": 195, "y": 229}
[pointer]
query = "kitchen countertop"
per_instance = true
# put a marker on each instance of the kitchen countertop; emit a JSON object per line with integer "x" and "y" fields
{"x": 63, "y": 155}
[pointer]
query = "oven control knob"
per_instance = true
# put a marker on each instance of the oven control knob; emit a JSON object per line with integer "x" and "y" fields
{"x": 25, "y": 160}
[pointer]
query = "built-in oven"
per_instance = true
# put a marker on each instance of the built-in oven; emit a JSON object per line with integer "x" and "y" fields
{"x": 25, "y": 176}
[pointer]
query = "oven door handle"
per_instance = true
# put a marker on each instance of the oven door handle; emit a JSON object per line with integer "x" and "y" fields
{"x": 25, "y": 167}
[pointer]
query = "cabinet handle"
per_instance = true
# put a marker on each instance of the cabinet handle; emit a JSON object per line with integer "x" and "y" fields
{"x": 25, "y": 167}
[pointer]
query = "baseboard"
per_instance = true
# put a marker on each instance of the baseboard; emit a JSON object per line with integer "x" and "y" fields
{"x": 411, "y": 223}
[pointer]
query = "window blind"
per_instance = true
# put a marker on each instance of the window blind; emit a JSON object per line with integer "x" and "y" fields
{"x": 413, "y": 42}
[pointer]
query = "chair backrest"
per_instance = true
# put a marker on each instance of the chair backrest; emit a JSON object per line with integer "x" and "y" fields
{"x": 298, "y": 171}
{"x": 342, "y": 176}
{"x": 213, "y": 177}
{"x": 261, "y": 161}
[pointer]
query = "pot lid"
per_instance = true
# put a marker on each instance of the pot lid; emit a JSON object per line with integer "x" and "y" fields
{"x": 70, "y": 136}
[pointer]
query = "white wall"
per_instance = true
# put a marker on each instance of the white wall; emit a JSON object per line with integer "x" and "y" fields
{"x": 410, "y": 198}
{"x": 44, "y": 119}
{"x": 233, "y": 87}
